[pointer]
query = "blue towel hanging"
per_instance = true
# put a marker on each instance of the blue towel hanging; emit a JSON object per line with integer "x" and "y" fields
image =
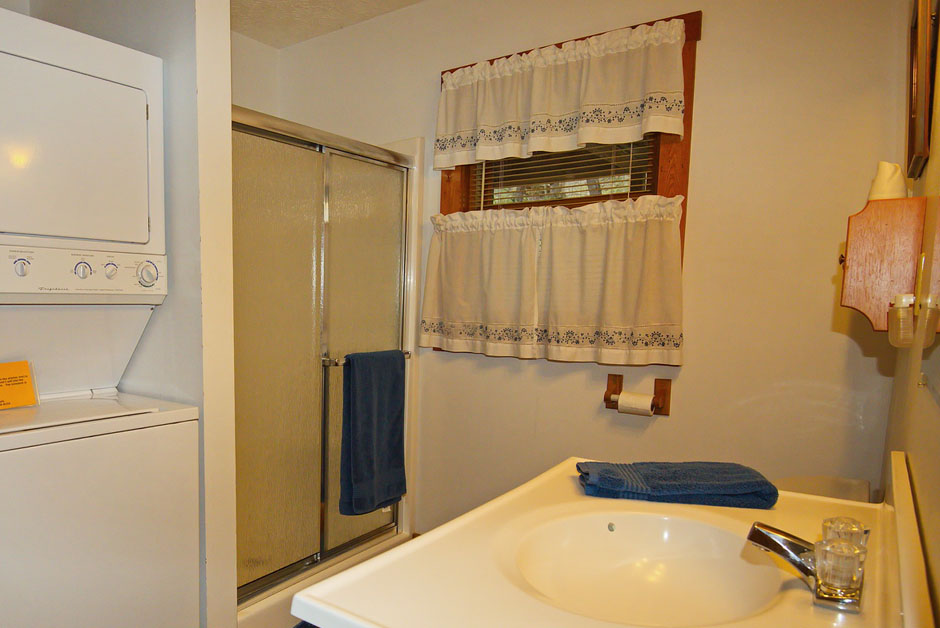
{"x": 372, "y": 462}
{"x": 706, "y": 483}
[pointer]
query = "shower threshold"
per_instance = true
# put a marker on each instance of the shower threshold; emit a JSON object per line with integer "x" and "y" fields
{"x": 307, "y": 566}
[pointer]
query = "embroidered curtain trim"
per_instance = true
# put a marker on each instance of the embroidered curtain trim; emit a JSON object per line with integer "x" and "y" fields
{"x": 600, "y": 283}
{"x": 607, "y": 89}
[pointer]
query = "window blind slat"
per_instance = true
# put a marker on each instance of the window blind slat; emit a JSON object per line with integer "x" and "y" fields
{"x": 534, "y": 163}
{"x": 565, "y": 172}
{"x": 595, "y": 161}
{"x": 595, "y": 172}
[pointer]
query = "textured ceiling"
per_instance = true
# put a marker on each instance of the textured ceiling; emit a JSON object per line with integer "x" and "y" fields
{"x": 282, "y": 23}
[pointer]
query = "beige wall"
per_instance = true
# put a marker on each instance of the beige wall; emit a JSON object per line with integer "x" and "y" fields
{"x": 255, "y": 77}
{"x": 788, "y": 126}
{"x": 915, "y": 412}
{"x": 20, "y": 6}
{"x": 916, "y": 430}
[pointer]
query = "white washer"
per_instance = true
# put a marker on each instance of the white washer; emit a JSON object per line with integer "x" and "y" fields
{"x": 101, "y": 514}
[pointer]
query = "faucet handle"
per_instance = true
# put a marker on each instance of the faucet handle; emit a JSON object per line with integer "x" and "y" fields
{"x": 840, "y": 565}
{"x": 832, "y": 568}
{"x": 845, "y": 528}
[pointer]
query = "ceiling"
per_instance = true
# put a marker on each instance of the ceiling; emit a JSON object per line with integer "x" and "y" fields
{"x": 282, "y": 23}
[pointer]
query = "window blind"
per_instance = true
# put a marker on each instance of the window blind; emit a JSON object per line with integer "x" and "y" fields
{"x": 591, "y": 174}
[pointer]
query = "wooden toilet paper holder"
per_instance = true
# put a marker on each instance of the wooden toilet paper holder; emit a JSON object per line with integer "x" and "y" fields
{"x": 662, "y": 391}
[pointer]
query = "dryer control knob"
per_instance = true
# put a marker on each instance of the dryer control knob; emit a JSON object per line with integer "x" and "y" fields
{"x": 110, "y": 270}
{"x": 21, "y": 267}
{"x": 83, "y": 270}
{"x": 147, "y": 274}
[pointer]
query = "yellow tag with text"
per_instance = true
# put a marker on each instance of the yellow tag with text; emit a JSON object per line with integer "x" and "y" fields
{"x": 16, "y": 385}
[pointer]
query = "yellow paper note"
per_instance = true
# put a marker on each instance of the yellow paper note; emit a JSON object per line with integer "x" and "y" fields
{"x": 16, "y": 385}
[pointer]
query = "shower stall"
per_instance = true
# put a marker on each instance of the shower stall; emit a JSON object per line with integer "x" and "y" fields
{"x": 319, "y": 251}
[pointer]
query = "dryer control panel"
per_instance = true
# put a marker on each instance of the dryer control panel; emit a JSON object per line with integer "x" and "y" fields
{"x": 40, "y": 275}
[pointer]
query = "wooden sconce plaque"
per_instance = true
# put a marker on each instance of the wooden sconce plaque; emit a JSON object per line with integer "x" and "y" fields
{"x": 882, "y": 248}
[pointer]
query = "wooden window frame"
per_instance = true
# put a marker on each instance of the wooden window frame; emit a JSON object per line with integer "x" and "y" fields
{"x": 672, "y": 161}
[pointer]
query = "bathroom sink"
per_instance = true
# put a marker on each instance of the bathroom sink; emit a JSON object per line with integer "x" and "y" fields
{"x": 545, "y": 554}
{"x": 646, "y": 569}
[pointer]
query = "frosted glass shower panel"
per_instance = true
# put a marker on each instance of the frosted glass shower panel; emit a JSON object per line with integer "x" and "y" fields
{"x": 277, "y": 222}
{"x": 366, "y": 202}
{"x": 364, "y": 255}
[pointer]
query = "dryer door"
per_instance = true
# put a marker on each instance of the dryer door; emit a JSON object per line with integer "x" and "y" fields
{"x": 73, "y": 154}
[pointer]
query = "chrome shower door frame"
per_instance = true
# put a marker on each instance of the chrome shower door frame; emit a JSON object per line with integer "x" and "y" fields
{"x": 277, "y": 129}
{"x": 332, "y": 361}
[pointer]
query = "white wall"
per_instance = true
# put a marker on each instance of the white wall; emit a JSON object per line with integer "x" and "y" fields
{"x": 186, "y": 352}
{"x": 789, "y": 121}
{"x": 255, "y": 78}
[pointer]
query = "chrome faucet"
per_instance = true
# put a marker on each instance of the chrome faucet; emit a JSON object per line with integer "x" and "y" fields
{"x": 800, "y": 553}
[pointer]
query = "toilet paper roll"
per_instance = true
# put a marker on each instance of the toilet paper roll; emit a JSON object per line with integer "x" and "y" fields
{"x": 635, "y": 403}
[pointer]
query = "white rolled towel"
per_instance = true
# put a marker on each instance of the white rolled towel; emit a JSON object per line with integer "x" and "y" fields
{"x": 889, "y": 182}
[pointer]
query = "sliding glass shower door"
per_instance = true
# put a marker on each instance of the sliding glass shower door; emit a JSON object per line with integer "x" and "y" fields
{"x": 318, "y": 239}
{"x": 364, "y": 257}
{"x": 277, "y": 222}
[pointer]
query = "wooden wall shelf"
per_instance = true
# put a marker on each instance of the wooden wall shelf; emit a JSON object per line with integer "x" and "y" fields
{"x": 882, "y": 248}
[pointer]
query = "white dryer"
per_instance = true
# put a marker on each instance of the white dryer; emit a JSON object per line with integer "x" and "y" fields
{"x": 82, "y": 236}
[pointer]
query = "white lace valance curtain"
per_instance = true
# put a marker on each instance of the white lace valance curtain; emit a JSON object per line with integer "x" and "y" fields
{"x": 607, "y": 89}
{"x": 599, "y": 283}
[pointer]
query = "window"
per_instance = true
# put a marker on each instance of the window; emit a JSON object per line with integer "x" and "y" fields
{"x": 570, "y": 179}
{"x": 591, "y": 174}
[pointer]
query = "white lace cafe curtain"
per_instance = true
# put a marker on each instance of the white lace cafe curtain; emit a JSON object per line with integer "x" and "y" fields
{"x": 599, "y": 283}
{"x": 607, "y": 89}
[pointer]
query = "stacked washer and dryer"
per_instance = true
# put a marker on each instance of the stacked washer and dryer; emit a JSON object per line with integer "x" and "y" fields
{"x": 99, "y": 497}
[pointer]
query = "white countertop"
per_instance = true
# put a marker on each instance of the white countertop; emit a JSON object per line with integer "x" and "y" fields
{"x": 462, "y": 573}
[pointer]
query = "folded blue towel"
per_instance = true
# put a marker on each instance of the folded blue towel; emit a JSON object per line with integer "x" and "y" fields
{"x": 372, "y": 459}
{"x": 706, "y": 483}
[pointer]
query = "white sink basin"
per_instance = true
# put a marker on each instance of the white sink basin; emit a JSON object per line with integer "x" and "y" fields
{"x": 647, "y": 569}
{"x": 543, "y": 555}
